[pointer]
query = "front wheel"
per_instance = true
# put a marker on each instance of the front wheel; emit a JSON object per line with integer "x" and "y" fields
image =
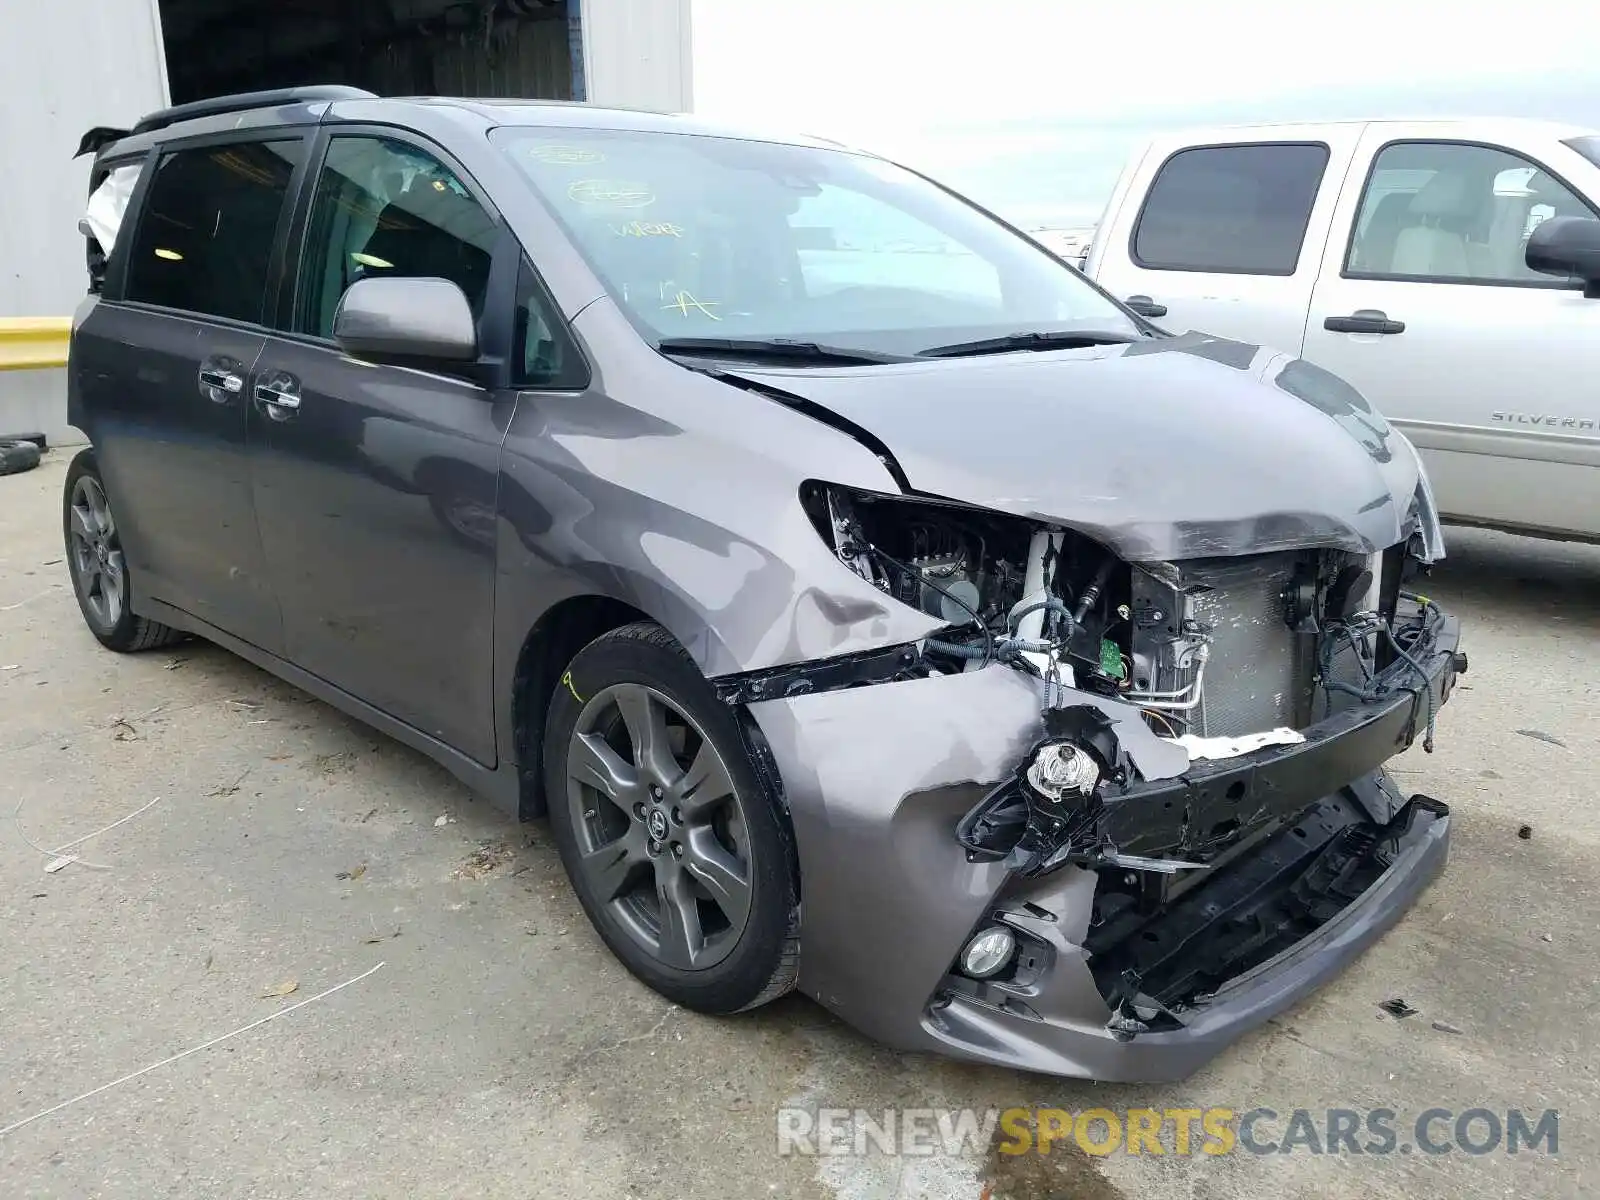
{"x": 98, "y": 566}
{"x": 680, "y": 858}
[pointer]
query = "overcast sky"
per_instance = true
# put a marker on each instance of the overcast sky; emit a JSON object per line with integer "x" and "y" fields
{"x": 1031, "y": 105}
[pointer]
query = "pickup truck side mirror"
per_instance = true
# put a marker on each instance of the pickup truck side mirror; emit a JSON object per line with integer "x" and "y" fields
{"x": 1568, "y": 246}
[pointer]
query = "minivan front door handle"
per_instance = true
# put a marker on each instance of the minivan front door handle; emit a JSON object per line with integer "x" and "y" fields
{"x": 279, "y": 395}
{"x": 1364, "y": 320}
{"x": 1145, "y": 306}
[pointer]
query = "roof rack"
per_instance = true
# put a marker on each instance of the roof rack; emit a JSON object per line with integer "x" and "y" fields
{"x": 217, "y": 105}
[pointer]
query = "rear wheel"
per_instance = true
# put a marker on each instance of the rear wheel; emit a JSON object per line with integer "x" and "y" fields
{"x": 682, "y": 861}
{"x": 98, "y": 566}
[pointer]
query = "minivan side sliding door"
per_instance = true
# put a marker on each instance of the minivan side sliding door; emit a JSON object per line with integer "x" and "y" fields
{"x": 162, "y": 364}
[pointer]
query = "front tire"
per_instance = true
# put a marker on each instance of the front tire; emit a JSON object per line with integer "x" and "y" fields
{"x": 98, "y": 566}
{"x": 681, "y": 859}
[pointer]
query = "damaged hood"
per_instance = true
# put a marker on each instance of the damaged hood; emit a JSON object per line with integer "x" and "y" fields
{"x": 1169, "y": 448}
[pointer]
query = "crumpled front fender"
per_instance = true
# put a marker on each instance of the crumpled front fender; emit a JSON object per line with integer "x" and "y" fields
{"x": 876, "y": 779}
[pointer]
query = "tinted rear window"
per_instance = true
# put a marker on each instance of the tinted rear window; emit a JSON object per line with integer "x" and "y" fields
{"x": 205, "y": 238}
{"x": 1231, "y": 209}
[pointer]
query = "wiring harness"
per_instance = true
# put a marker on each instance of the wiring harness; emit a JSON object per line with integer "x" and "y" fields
{"x": 1407, "y": 642}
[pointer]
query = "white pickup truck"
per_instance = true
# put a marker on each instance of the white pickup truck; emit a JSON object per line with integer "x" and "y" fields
{"x": 1397, "y": 255}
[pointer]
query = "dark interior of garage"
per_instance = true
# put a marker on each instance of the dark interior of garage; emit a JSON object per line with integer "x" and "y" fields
{"x": 391, "y": 47}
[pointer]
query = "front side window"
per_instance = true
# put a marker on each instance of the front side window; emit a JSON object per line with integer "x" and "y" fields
{"x": 699, "y": 236}
{"x": 204, "y": 243}
{"x": 384, "y": 208}
{"x": 1451, "y": 212}
{"x": 1235, "y": 210}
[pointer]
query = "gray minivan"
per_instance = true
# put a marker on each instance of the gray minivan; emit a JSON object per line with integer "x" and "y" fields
{"x": 873, "y": 604}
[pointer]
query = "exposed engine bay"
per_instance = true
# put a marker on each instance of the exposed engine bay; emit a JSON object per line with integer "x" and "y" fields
{"x": 1222, "y": 657}
{"x": 1209, "y": 651}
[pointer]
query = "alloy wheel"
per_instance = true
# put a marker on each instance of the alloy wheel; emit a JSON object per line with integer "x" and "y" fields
{"x": 97, "y": 563}
{"x": 661, "y": 831}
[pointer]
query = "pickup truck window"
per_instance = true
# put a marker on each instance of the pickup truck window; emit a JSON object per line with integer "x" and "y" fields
{"x": 1237, "y": 210}
{"x": 1454, "y": 212}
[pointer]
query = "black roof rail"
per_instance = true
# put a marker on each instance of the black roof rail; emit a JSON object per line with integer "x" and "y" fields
{"x": 217, "y": 105}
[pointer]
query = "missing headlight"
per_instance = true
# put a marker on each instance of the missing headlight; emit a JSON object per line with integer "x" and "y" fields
{"x": 1010, "y": 590}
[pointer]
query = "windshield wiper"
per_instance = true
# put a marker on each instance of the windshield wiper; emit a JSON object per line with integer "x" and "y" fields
{"x": 781, "y": 348}
{"x": 1057, "y": 339}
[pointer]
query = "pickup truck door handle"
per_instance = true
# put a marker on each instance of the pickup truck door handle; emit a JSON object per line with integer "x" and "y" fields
{"x": 1364, "y": 320}
{"x": 278, "y": 393}
{"x": 1145, "y": 306}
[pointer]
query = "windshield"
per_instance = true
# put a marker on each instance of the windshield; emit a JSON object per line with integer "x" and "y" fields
{"x": 701, "y": 236}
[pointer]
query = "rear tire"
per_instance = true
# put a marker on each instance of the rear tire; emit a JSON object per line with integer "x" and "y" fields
{"x": 681, "y": 859}
{"x": 98, "y": 566}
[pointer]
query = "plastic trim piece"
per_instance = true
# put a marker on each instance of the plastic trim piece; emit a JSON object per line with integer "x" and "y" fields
{"x": 242, "y": 101}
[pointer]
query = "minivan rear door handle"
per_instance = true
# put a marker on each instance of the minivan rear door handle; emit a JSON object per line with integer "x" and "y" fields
{"x": 1145, "y": 306}
{"x": 227, "y": 381}
{"x": 1364, "y": 320}
{"x": 220, "y": 381}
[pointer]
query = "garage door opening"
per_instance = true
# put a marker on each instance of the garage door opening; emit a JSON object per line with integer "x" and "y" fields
{"x": 502, "y": 48}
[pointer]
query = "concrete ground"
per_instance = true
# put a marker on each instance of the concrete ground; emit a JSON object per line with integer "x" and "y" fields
{"x": 500, "y": 1051}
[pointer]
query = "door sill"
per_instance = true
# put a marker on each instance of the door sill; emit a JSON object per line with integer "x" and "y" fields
{"x": 500, "y": 784}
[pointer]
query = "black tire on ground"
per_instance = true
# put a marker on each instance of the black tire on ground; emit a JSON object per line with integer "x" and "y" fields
{"x": 17, "y": 457}
{"x": 98, "y": 568}
{"x": 725, "y": 862}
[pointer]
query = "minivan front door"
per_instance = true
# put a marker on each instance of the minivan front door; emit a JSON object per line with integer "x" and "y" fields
{"x": 1426, "y": 304}
{"x": 375, "y": 485}
{"x": 162, "y": 369}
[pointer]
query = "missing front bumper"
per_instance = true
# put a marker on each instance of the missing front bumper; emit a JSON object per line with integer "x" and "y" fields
{"x": 1277, "y": 955}
{"x": 1153, "y": 968}
{"x": 876, "y": 780}
{"x": 1196, "y": 816}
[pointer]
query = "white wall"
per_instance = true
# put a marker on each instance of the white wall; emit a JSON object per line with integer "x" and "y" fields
{"x": 69, "y": 65}
{"x": 65, "y": 66}
{"x": 638, "y": 54}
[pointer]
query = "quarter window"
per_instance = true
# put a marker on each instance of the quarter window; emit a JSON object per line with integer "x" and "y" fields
{"x": 544, "y": 355}
{"x": 1451, "y": 212}
{"x": 383, "y": 207}
{"x": 204, "y": 244}
{"x": 1239, "y": 210}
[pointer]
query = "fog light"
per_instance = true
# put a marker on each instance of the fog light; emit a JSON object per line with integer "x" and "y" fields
{"x": 989, "y": 952}
{"x": 1061, "y": 770}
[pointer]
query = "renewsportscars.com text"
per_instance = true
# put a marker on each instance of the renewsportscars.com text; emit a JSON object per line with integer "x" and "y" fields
{"x": 1180, "y": 1132}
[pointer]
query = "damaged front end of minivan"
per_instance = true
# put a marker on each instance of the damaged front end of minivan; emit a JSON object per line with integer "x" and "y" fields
{"x": 1120, "y": 808}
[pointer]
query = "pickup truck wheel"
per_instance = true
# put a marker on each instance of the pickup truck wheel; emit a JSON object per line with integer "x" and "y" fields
{"x": 99, "y": 568}
{"x": 678, "y": 855}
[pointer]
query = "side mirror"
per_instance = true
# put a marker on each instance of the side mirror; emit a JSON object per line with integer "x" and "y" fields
{"x": 1569, "y": 247}
{"x": 408, "y": 322}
